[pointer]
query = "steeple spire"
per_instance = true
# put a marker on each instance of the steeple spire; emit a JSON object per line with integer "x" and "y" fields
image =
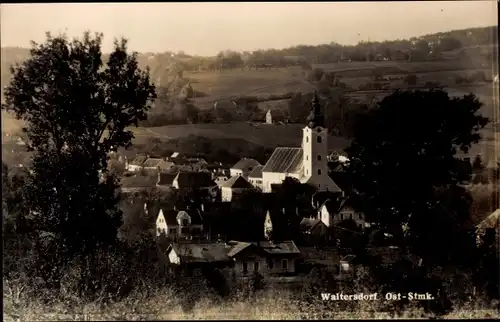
{"x": 315, "y": 117}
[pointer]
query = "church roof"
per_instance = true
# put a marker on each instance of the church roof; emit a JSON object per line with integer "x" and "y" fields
{"x": 284, "y": 160}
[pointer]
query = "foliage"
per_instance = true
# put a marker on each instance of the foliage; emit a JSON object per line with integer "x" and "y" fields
{"x": 409, "y": 175}
{"x": 76, "y": 110}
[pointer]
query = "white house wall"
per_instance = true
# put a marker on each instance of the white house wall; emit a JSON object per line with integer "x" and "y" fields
{"x": 269, "y": 178}
{"x": 173, "y": 258}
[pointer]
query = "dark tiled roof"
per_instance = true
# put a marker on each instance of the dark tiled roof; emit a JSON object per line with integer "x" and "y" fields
{"x": 270, "y": 248}
{"x": 194, "y": 180}
{"x": 237, "y": 182}
{"x": 200, "y": 253}
{"x": 332, "y": 205}
{"x": 318, "y": 198}
{"x": 257, "y": 172}
{"x": 285, "y": 160}
{"x": 278, "y": 248}
{"x": 164, "y": 165}
{"x": 152, "y": 162}
{"x": 195, "y": 214}
{"x": 166, "y": 179}
{"x": 170, "y": 215}
{"x": 139, "y": 160}
{"x": 308, "y": 224}
{"x": 246, "y": 163}
{"x": 139, "y": 181}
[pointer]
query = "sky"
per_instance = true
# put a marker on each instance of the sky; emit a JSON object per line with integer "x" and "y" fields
{"x": 207, "y": 28}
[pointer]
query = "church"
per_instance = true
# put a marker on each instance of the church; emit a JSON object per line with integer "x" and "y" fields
{"x": 308, "y": 163}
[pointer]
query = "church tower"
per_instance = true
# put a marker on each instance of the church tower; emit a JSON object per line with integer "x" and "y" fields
{"x": 315, "y": 148}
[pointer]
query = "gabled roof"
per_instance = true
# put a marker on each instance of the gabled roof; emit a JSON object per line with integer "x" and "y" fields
{"x": 195, "y": 214}
{"x": 270, "y": 248}
{"x": 165, "y": 164}
{"x": 307, "y": 224}
{"x": 332, "y": 205}
{"x": 200, "y": 253}
{"x": 278, "y": 248}
{"x": 152, "y": 162}
{"x": 245, "y": 163}
{"x": 257, "y": 172}
{"x": 169, "y": 214}
{"x": 138, "y": 160}
{"x": 166, "y": 179}
{"x": 285, "y": 160}
{"x": 194, "y": 180}
{"x": 492, "y": 221}
{"x": 237, "y": 182}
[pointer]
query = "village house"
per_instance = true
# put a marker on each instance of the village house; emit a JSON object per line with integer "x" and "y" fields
{"x": 198, "y": 255}
{"x": 179, "y": 224}
{"x": 308, "y": 163}
{"x": 157, "y": 164}
{"x": 314, "y": 231}
{"x": 233, "y": 187}
{"x": 255, "y": 177}
{"x": 332, "y": 213}
{"x": 136, "y": 164}
{"x": 265, "y": 257}
{"x": 243, "y": 167}
{"x": 165, "y": 180}
{"x": 190, "y": 181}
{"x": 220, "y": 180}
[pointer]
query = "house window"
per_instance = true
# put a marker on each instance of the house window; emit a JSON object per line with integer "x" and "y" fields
{"x": 360, "y": 226}
{"x": 249, "y": 168}
{"x": 319, "y": 157}
{"x": 341, "y": 216}
{"x": 256, "y": 266}
{"x": 270, "y": 263}
{"x": 318, "y": 139}
{"x": 172, "y": 230}
{"x": 350, "y": 216}
{"x": 185, "y": 222}
{"x": 184, "y": 230}
{"x": 284, "y": 264}
{"x": 244, "y": 267}
{"x": 319, "y": 171}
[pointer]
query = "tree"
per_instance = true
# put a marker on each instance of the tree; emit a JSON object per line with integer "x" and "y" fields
{"x": 477, "y": 164}
{"x": 76, "y": 110}
{"x": 404, "y": 169}
{"x": 411, "y": 79}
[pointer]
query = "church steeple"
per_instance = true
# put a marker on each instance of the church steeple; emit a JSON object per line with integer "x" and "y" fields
{"x": 315, "y": 117}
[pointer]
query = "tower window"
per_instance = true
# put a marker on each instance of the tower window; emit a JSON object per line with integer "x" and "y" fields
{"x": 307, "y": 157}
{"x": 319, "y": 171}
{"x": 319, "y": 157}
{"x": 318, "y": 139}
{"x": 307, "y": 139}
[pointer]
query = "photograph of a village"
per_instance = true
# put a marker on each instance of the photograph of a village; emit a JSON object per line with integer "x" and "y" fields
{"x": 165, "y": 161}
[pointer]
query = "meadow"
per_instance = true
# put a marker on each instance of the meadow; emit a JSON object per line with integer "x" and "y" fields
{"x": 269, "y": 305}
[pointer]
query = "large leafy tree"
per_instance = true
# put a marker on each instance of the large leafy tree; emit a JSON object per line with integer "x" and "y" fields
{"x": 405, "y": 169}
{"x": 76, "y": 109}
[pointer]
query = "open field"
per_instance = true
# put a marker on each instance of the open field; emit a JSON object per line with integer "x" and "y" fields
{"x": 261, "y": 134}
{"x": 278, "y": 135}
